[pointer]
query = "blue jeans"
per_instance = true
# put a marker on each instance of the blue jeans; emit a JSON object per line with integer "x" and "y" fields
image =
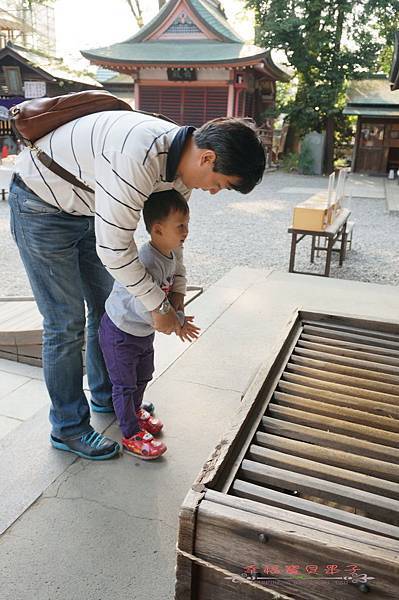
{"x": 59, "y": 254}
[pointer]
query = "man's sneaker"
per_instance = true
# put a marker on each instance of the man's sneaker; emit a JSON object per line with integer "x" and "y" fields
{"x": 101, "y": 408}
{"x": 144, "y": 446}
{"x": 148, "y": 423}
{"x": 91, "y": 445}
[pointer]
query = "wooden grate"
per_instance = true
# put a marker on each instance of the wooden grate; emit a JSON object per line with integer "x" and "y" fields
{"x": 327, "y": 441}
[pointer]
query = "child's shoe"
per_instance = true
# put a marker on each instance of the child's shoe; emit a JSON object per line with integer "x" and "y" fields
{"x": 148, "y": 423}
{"x": 143, "y": 445}
{"x": 149, "y": 407}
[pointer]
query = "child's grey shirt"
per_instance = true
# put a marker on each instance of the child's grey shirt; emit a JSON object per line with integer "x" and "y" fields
{"x": 125, "y": 310}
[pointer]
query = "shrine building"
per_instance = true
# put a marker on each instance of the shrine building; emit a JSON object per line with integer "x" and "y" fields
{"x": 189, "y": 64}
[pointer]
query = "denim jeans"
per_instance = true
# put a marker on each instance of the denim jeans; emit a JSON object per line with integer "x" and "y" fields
{"x": 59, "y": 254}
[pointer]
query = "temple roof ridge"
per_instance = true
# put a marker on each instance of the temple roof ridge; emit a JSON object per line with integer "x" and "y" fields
{"x": 206, "y": 12}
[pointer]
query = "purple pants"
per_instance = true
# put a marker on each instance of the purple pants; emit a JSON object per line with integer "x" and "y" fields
{"x": 130, "y": 363}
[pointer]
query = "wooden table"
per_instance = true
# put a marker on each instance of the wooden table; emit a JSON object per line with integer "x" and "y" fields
{"x": 333, "y": 233}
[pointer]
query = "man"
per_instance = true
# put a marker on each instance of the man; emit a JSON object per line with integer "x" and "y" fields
{"x": 74, "y": 243}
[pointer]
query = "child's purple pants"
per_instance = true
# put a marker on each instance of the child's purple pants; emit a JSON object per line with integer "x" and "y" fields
{"x": 130, "y": 363}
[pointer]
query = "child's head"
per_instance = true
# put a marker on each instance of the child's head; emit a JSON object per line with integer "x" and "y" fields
{"x": 166, "y": 216}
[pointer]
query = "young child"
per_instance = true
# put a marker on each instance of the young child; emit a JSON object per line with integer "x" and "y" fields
{"x": 126, "y": 332}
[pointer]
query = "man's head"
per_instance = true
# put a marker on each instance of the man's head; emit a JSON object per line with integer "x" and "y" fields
{"x": 225, "y": 153}
{"x": 166, "y": 216}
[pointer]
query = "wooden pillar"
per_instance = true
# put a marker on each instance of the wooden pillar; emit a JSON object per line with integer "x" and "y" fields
{"x": 237, "y": 100}
{"x": 230, "y": 95}
{"x": 137, "y": 95}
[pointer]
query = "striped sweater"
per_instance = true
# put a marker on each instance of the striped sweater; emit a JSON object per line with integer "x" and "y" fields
{"x": 123, "y": 156}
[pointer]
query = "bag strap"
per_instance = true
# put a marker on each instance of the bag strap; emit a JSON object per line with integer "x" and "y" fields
{"x": 56, "y": 168}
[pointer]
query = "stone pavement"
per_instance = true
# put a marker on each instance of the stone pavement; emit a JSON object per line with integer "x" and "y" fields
{"x": 99, "y": 531}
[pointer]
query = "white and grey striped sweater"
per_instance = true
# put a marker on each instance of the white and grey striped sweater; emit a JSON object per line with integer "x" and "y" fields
{"x": 123, "y": 156}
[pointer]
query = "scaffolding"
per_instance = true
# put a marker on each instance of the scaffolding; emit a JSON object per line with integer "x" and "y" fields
{"x": 28, "y": 24}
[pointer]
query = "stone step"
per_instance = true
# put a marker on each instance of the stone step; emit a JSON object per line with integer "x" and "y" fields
{"x": 392, "y": 195}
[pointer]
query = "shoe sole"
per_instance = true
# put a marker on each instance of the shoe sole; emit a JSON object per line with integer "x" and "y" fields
{"x": 141, "y": 456}
{"x": 65, "y": 448}
{"x": 101, "y": 409}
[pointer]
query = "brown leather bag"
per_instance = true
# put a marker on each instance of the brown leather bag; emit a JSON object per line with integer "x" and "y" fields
{"x": 33, "y": 119}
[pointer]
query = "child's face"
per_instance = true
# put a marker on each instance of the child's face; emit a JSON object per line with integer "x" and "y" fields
{"x": 172, "y": 232}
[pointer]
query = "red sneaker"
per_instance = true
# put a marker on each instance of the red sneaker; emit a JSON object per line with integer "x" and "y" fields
{"x": 143, "y": 445}
{"x": 148, "y": 422}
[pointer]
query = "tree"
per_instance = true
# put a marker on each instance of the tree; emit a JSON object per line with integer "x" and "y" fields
{"x": 137, "y": 11}
{"x": 135, "y": 7}
{"x": 327, "y": 42}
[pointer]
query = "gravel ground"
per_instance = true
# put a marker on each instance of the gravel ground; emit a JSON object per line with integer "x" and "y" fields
{"x": 231, "y": 229}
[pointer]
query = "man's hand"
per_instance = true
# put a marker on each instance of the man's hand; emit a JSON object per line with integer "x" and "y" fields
{"x": 167, "y": 324}
{"x": 189, "y": 332}
{"x": 177, "y": 300}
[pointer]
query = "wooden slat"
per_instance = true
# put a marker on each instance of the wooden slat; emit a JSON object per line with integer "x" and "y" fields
{"x": 347, "y": 357}
{"x": 333, "y": 397}
{"x": 353, "y": 336}
{"x": 15, "y": 312}
{"x": 230, "y": 536}
{"x": 313, "y": 468}
{"x": 332, "y": 410}
{"x": 345, "y": 328}
{"x": 377, "y": 506}
{"x": 348, "y": 370}
{"x": 386, "y": 438}
{"x": 341, "y": 388}
{"x": 357, "y": 347}
{"x": 329, "y": 439}
{"x": 330, "y": 456}
{"x": 185, "y": 541}
{"x": 258, "y": 493}
{"x": 343, "y": 351}
{"x": 365, "y": 384}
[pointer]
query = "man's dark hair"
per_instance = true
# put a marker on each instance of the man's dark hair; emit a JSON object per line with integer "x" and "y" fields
{"x": 238, "y": 149}
{"x": 160, "y": 205}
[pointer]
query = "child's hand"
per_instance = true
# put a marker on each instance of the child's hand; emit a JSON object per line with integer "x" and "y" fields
{"x": 189, "y": 332}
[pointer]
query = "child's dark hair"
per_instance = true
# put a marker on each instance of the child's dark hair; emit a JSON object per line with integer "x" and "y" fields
{"x": 160, "y": 205}
{"x": 238, "y": 149}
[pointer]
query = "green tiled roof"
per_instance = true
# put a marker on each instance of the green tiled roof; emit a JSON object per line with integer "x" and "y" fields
{"x": 179, "y": 53}
{"x": 371, "y": 91}
{"x": 53, "y": 67}
{"x": 372, "y": 111}
{"x": 206, "y": 13}
{"x": 215, "y": 19}
{"x": 372, "y": 97}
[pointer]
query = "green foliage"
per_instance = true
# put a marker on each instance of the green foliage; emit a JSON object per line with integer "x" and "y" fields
{"x": 305, "y": 163}
{"x": 290, "y": 162}
{"x": 327, "y": 42}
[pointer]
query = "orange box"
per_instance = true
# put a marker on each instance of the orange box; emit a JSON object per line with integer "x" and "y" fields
{"x": 313, "y": 214}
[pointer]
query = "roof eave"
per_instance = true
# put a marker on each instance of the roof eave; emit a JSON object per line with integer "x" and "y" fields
{"x": 155, "y": 22}
{"x": 8, "y": 51}
{"x": 114, "y": 63}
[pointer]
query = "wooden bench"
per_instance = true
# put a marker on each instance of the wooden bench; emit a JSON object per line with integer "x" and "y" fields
{"x": 334, "y": 233}
{"x": 21, "y": 327}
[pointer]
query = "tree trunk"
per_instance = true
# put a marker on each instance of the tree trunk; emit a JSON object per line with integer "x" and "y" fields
{"x": 136, "y": 11}
{"x": 329, "y": 147}
{"x": 292, "y": 140}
